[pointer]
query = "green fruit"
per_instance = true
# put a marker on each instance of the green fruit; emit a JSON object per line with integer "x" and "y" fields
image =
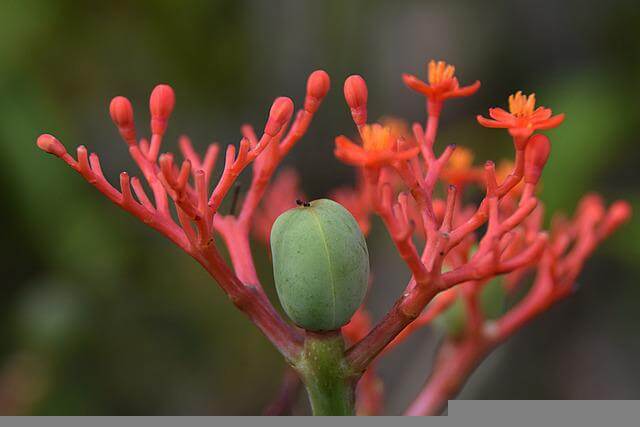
{"x": 320, "y": 264}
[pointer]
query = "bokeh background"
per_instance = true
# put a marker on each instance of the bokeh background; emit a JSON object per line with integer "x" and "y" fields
{"x": 100, "y": 315}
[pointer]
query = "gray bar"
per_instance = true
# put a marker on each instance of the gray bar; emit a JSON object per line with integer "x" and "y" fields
{"x": 564, "y": 413}
{"x": 493, "y": 413}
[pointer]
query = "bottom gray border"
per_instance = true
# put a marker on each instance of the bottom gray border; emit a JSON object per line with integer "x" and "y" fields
{"x": 476, "y": 413}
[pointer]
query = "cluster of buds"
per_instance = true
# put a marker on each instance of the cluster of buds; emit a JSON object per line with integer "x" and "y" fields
{"x": 187, "y": 186}
{"x": 455, "y": 251}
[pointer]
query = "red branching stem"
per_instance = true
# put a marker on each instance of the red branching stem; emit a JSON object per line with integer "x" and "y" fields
{"x": 235, "y": 230}
{"x": 252, "y": 302}
{"x": 427, "y": 280}
{"x": 455, "y": 362}
{"x": 404, "y": 311}
{"x": 264, "y": 168}
{"x": 236, "y": 238}
{"x": 430, "y": 135}
{"x": 435, "y": 308}
{"x": 92, "y": 173}
{"x": 556, "y": 274}
{"x": 187, "y": 186}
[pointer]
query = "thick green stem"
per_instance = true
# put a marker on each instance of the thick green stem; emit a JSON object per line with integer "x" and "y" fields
{"x": 326, "y": 375}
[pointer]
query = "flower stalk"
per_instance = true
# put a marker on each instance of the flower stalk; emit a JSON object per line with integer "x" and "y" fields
{"x": 328, "y": 378}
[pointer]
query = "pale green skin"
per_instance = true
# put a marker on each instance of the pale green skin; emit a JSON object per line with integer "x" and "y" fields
{"x": 320, "y": 264}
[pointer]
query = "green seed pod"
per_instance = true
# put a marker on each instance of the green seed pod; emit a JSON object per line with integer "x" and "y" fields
{"x": 320, "y": 264}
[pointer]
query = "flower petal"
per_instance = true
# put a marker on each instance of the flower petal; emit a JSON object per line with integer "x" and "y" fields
{"x": 488, "y": 123}
{"x": 416, "y": 84}
{"x": 344, "y": 143}
{"x": 464, "y": 91}
{"x": 353, "y": 158}
{"x": 540, "y": 114}
{"x": 501, "y": 115}
{"x": 550, "y": 123}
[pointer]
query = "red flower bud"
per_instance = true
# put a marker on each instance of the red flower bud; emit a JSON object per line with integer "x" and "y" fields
{"x": 356, "y": 94}
{"x": 51, "y": 145}
{"x": 591, "y": 208}
{"x": 280, "y": 113}
{"x": 161, "y": 105}
{"x": 122, "y": 115}
{"x": 317, "y": 88}
{"x": 618, "y": 214}
{"x": 536, "y": 154}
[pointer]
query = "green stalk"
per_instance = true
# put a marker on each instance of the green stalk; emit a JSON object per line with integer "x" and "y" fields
{"x": 326, "y": 375}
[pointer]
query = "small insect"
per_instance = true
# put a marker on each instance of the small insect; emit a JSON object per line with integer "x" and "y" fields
{"x": 303, "y": 203}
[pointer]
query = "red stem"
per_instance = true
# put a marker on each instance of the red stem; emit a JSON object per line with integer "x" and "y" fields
{"x": 454, "y": 364}
{"x": 253, "y": 303}
{"x": 404, "y": 311}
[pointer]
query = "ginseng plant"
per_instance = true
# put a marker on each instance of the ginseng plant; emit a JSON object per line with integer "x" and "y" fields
{"x": 466, "y": 260}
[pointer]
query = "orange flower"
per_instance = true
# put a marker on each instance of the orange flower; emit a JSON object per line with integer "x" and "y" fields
{"x": 523, "y": 118}
{"x": 442, "y": 83}
{"x": 379, "y": 147}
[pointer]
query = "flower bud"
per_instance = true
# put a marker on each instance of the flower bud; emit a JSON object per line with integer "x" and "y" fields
{"x": 317, "y": 88}
{"x": 161, "y": 105}
{"x": 280, "y": 113}
{"x": 51, "y": 145}
{"x": 122, "y": 115}
{"x": 320, "y": 264}
{"x": 618, "y": 214}
{"x": 356, "y": 94}
{"x": 536, "y": 154}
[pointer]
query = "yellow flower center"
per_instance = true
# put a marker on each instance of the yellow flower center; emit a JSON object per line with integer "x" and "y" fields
{"x": 461, "y": 159}
{"x": 522, "y": 105}
{"x": 505, "y": 167}
{"x": 440, "y": 71}
{"x": 399, "y": 128}
{"x": 376, "y": 137}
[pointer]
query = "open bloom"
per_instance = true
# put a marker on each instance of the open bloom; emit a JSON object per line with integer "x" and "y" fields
{"x": 379, "y": 147}
{"x": 442, "y": 83}
{"x": 523, "y": 118}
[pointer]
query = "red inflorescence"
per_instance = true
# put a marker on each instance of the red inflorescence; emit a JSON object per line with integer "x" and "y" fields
{"x": 417, "y": 193}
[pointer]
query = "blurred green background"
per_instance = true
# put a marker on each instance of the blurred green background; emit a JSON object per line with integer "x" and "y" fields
{"x": 100, "y": 315}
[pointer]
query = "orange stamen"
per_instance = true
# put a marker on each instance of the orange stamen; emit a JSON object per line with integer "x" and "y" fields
{"x": 376, "y": 137}
{"x": 522, "y": 105}
{"x": 440, "y": 71}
